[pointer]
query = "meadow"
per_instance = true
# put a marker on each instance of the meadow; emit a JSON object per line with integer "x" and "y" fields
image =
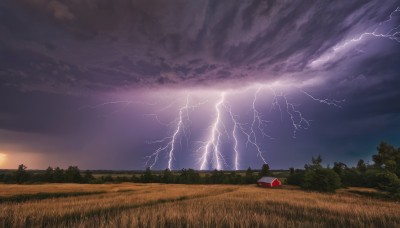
{"x": 162, "y": 205}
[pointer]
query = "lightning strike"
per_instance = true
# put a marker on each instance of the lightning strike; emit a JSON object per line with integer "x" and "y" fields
{"x": 259, "y": 123}
{"x": 182, "y": 124}
{"x": 393, "y": 33}
{"x": 330, "y": 102}
{"x": 213, "y": 143}
{"x": 256, "y": 128}
{"x": 239, "y": 133}
{"x": 296, "y": 118}
{"x": 236, "y": 126}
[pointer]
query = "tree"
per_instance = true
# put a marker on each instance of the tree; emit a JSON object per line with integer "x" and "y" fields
{"x": 58, "y": 175}
{"x": 21, "y": 175}
{"x": 351, "y": 177}
{"x": 295, "y": 177}
{"x": 107, "y": 179}
{"x": 232, "y": 178}
{"x": 249, "y": 177}
{"x": 88, "y": 177}
{"x": 291, "y": 170}
{"x": 325, "y": 180}
{"x": 147, "y": 177}
{"x": 73, "y": 175}
{"x": 134, "y": 178}
{"x": 49, "y": 174}
{"x": 315, "y": 163}
{"x": 339, "y": 167}
{"x": 217, "y": 177}
{"x": 388, "y": 181}
{"x": 167, "y": 177}
{"x": 361, "y": 166}
{"x": 264, "y": 171}
{"x": 189, "y": 176}
{"x": 388, "y": 158}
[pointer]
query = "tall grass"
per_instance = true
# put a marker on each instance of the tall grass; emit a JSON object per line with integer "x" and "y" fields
{"x": 157, "y": 205}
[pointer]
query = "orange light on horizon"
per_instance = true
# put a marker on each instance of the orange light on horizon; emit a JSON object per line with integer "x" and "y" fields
{"x": 3, "y": 158}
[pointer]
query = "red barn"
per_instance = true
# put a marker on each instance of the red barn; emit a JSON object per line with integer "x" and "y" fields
{"x": 269, "y": 182}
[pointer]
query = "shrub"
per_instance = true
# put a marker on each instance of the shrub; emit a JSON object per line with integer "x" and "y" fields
{"x": 324, "y": 180}
{"x": 388, "y": 181}
{"x": 296, "y": 177}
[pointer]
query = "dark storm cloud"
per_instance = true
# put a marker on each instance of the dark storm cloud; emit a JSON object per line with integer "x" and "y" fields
{"x": 103, "y": 45}
{"x": 39, "y": 112}
{"x": 58, "y": 58}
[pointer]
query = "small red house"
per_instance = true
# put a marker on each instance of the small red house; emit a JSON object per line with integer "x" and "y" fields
{"x": 269, "y": 182}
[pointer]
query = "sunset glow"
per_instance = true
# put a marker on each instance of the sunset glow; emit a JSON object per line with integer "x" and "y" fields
{"x": 2, "y": 159}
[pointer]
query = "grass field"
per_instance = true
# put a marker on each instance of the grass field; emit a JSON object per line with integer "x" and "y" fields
{"x": 159, "y": 205}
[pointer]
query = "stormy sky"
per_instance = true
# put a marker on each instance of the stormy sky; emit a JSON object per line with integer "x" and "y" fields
{"x": 222, "y": 84}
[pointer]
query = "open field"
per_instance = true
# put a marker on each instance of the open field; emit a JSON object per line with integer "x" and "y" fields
{"x": 155, "y": 205}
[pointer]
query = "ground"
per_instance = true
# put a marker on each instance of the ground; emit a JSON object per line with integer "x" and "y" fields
{"x": 155, "y": 205}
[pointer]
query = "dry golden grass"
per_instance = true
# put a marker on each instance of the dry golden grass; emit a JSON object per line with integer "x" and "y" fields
{"x": 12, "y": 189}
{"x": 158, "y": 205}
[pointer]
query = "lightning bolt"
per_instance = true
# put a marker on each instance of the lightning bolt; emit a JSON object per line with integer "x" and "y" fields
{"x": 296, "y": 118}
{"x": 213, "y": 143}
{"x": 253, "y": 130}
{"x": 256, "y": 128}
{"x": 236, "y": 126}
{"x": 181, "y": 128}
{"x": 330, "y": 102}
{"x": 393, "y": 34}
{"x": 238, "y": 133}
{"x": 257, "y": 125}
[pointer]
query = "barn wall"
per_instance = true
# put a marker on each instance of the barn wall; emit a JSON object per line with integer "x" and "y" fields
{"x": 275, "y": 183}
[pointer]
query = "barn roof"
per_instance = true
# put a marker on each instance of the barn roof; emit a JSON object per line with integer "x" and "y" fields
{"x": 267, "y": 179}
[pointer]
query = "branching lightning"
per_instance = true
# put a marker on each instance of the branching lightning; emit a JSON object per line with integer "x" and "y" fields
{"x": 228, "y": 130}
{"x": 259, "y": 123}
{"x": 330, "y": 102}
{"x": 392, "y": 33}
{"x": 181, "y": 130}
{"x": 296, "y": 118}
{"x": 252, "y": 131}
{"x": 225, "y": 130}
{"x": 236, "y": 127}
{"x": 213, "y": 143}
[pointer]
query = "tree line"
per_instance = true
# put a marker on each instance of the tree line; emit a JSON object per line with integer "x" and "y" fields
{"x": 384, "y": 174}
{"x": 190, "y": 176}
{"x": 71, "y": 175}
{"x": 185, "y": 176}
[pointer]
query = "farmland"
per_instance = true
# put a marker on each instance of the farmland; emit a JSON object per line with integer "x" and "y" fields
{"x": 152, "y": 205}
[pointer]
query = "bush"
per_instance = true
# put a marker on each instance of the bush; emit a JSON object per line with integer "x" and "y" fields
{"x": 21, "y": 175}
{"x": 352, "y": 177}
{"x": 324, "y": 180}
{"x": 388, "y": 181}
{"x": 73, "y": 175}
{"x": 296, "y": 177}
